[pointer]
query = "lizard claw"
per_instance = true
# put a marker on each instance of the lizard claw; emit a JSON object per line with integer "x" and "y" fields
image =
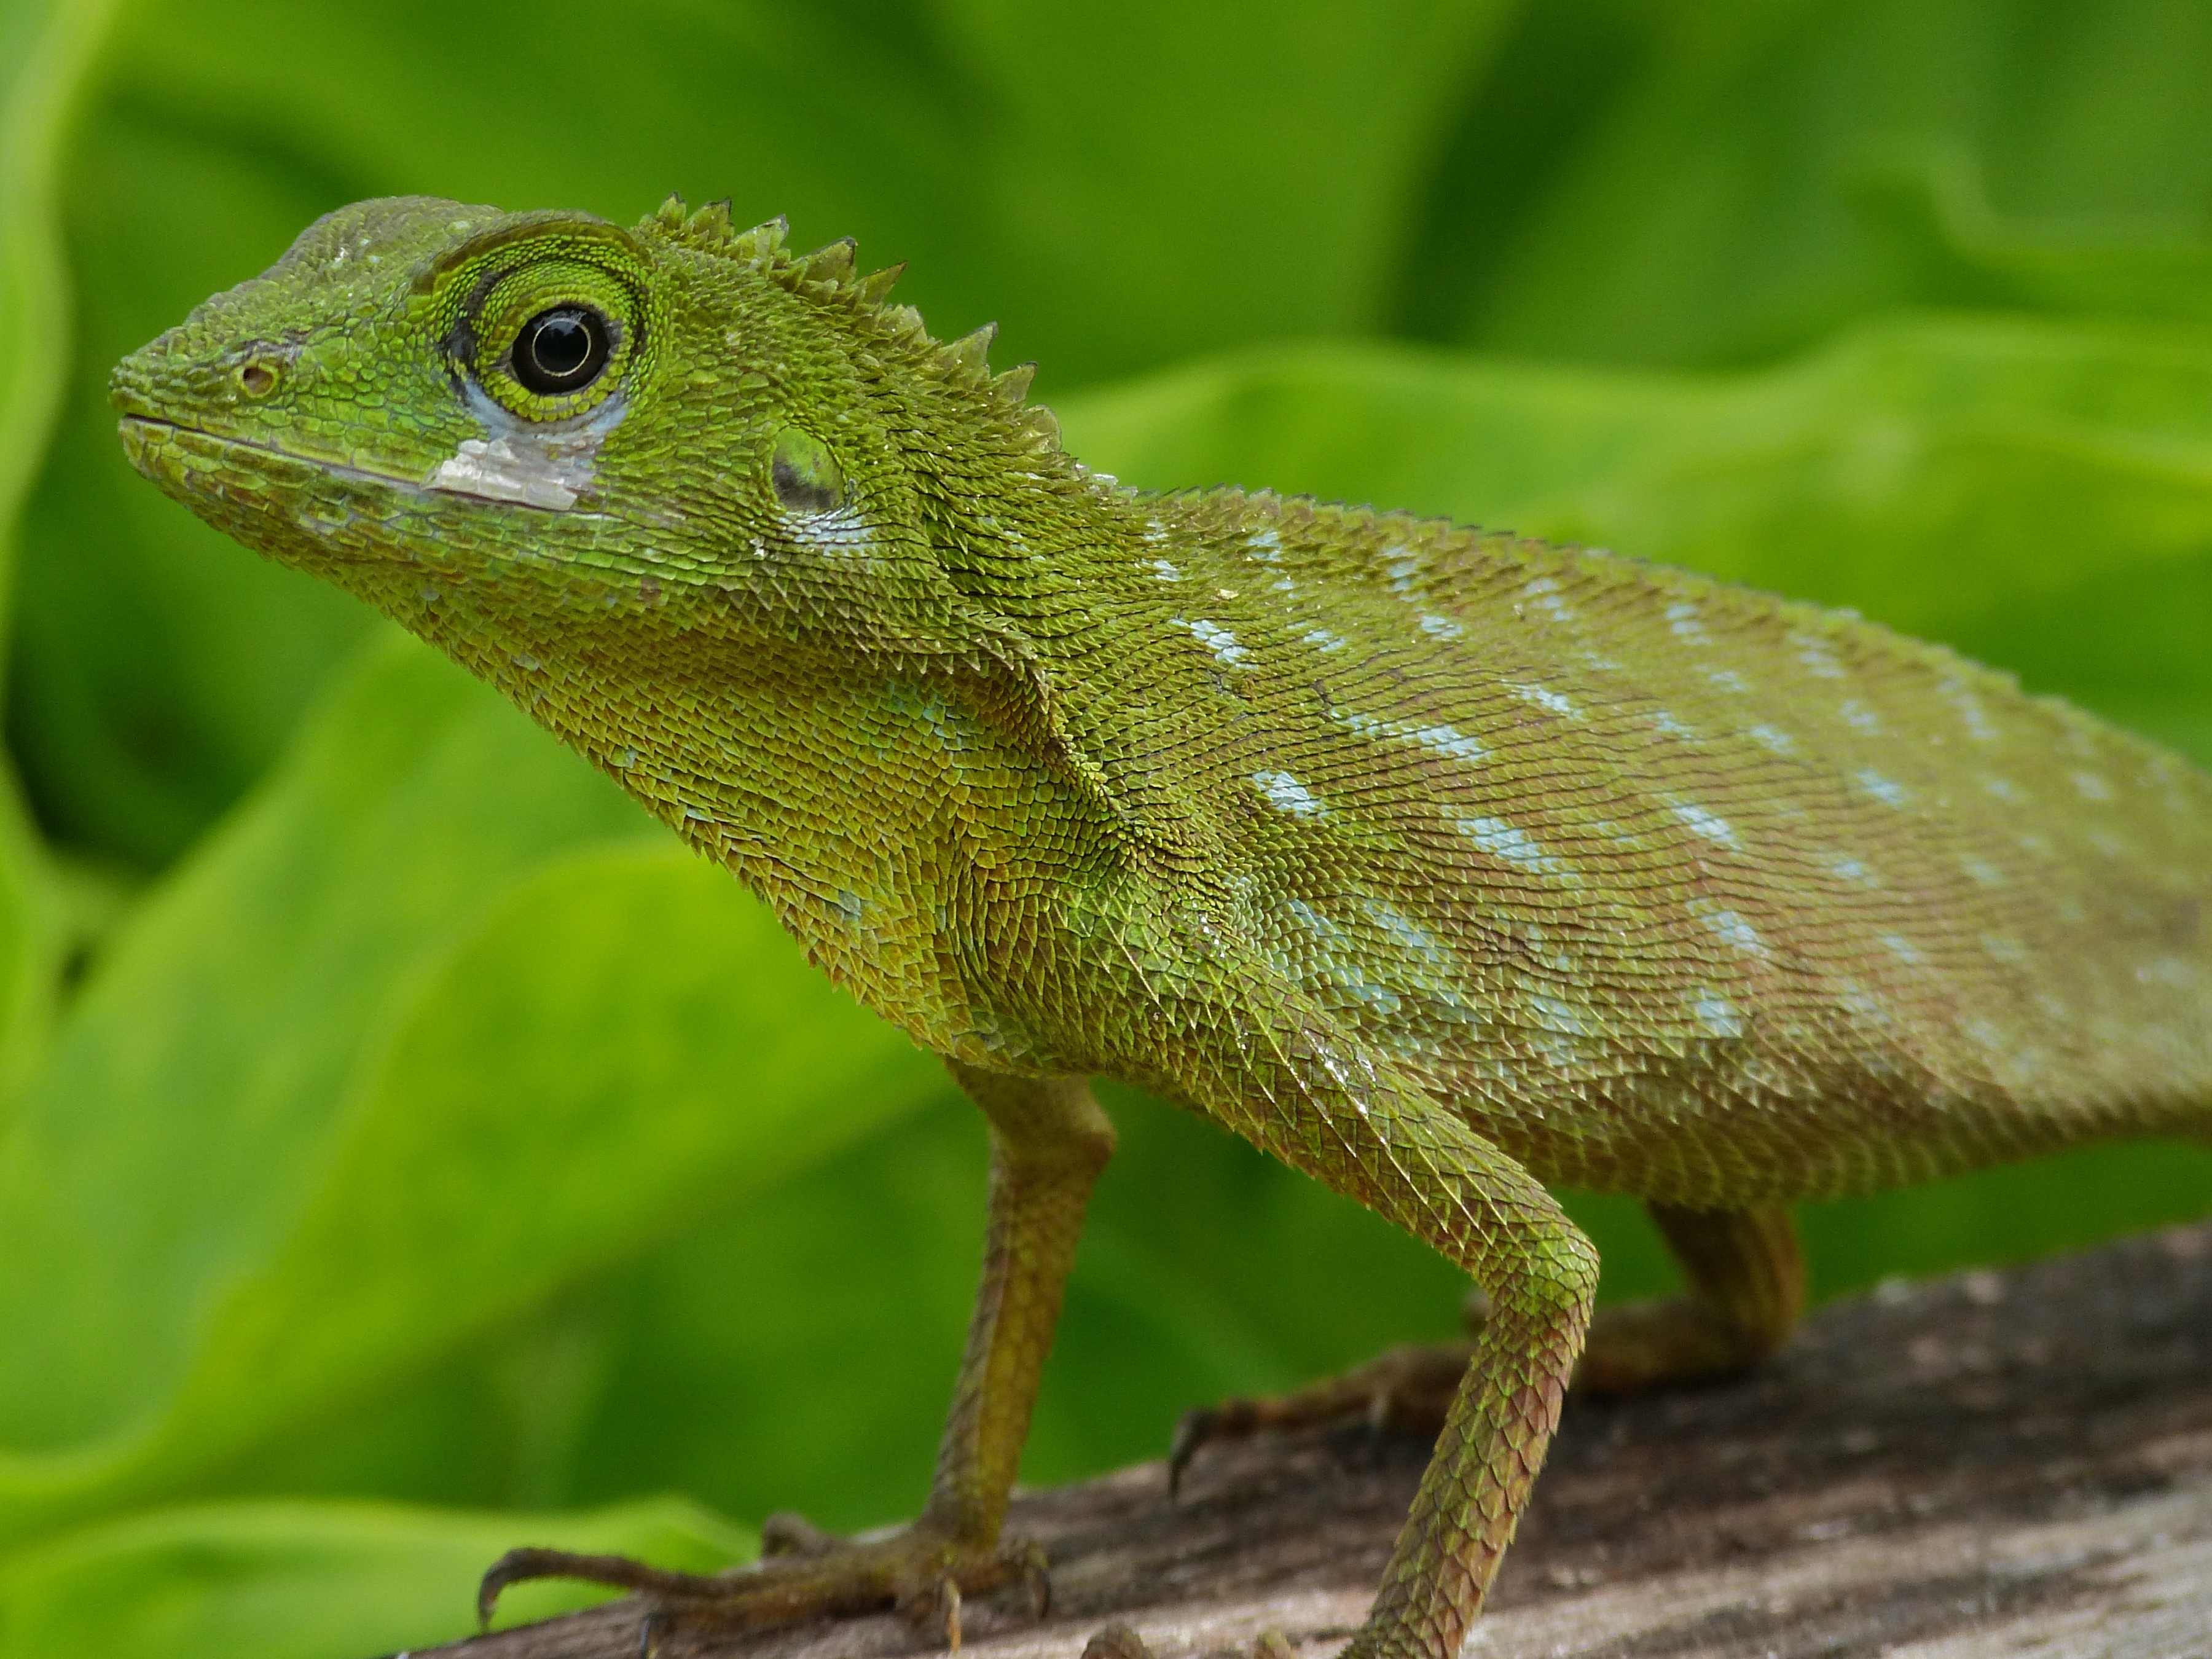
{"x": 804, "y": 1574}
{"x": 936, "y": 1603}
{"x": 1407, "y": 1388}
{"x": 618, "y": 1571}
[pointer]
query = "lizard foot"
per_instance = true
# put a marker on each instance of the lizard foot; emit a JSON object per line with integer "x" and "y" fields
{"x": 803, "y": 1573}
{"x": 1635, "y": 1347}
{"x": 1408, "y": 1387}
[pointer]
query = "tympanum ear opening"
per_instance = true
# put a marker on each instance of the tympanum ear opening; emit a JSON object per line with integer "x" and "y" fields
{"x": 805, "y": 474}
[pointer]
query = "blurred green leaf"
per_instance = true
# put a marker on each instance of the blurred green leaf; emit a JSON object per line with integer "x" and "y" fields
{"x": 306, "y": 1581}
{"x": 46, "y": 47}
{"x": 437, "y": 960}
{"x": 1646, "y": 181}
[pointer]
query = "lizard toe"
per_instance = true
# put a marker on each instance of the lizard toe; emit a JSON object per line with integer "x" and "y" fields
{"x": 805, "y": 1574}
{"x": 1407, "y": 1388}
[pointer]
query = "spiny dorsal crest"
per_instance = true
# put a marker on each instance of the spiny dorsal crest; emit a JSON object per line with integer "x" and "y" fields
{"x": 829, "y": 273}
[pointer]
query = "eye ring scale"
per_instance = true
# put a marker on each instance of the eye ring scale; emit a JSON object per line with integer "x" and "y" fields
{"x": 562, "y": 349}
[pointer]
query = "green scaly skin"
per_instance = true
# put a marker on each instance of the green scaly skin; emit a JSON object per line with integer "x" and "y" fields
{"x": 1438, "y": 865}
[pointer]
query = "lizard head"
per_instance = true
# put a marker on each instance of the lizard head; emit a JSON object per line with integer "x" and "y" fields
{"x": 719, "y": 517}
{"x": 490, "y": 424}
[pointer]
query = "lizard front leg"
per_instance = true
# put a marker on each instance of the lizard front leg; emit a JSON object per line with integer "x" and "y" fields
{"x": 1049, "y": 1139}
{"x": 1302, "y": 1092}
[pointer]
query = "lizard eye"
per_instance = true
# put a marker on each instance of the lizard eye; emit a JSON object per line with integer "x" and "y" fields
{"x": 561, "y": 350}
{"x": 550, "y": 339}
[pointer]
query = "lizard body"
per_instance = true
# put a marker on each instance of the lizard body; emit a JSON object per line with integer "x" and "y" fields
{"x": 1437, "y": 863}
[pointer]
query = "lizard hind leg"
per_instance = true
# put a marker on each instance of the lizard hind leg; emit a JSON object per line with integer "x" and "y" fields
{"x": 1048, "y": 1141}
{"x": 1746, "y": 1291}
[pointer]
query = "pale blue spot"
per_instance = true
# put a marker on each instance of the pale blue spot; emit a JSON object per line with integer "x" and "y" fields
{"x": 1971, "y": 713}
{"x": 1903, "y": 949}
{"x": 1729, "y": 680}
{"x": 1684, "y": 621}
{"x": 1403, "y": 933}
{"x": 1543, "y": 698}
{"x": 1286, "y": 794}
{"x": 1266, "y": 546}
{"x": 1863, "y": 1002}
{"x": 1544, "y": 591}
{"x": 1818, "y": 656}
{"x": 1381, "y": 998}
{"x": 1218, "y": 640}
{"x": 1442, "y": 628}
{"x": 1558, "y": 1016}
{"x": 1445, "y": 740}
{"x": 1859, "y": 717}
{"x": 1711, "y": 825}
{"x": 1505, "y": 840}
{"x": 2092, "y": 787}
{"x": 1734, "y": 930}
{"x": 1323, "y": 638}
{"x": 1888, "y": 793}
{"x": 1780, "y": 742}
{"x": 1668, "y": 723}
{"x": 1163, "y": 571}
{"x": 1717, "y": 1015}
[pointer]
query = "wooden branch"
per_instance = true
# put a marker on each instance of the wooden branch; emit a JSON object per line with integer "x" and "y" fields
{"x": 1989, "y": 1465}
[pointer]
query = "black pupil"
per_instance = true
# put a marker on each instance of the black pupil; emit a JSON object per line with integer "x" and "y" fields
{"x": 561, "y": 350}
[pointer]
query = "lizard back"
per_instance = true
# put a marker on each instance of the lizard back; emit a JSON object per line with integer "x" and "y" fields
{"x": 1659, "y": 879}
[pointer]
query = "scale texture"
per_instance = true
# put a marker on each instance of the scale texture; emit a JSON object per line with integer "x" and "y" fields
{"x": 1438, "y": 864}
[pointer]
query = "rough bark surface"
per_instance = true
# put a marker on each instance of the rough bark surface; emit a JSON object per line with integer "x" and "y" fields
{"x": 1993, "y": 1464}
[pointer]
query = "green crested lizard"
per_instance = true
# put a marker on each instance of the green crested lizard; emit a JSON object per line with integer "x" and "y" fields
{"x": 1437, "y": 864}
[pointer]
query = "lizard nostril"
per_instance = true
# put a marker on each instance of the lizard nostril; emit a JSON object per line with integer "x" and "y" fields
{"x": 257, "y": 379}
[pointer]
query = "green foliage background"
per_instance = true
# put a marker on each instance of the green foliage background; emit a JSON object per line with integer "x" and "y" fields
{"x": 406, "y": 1150}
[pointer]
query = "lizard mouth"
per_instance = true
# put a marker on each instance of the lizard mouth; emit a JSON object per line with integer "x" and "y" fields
{"x": 491, "y": 475}
{"x": 154, "y": 444}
